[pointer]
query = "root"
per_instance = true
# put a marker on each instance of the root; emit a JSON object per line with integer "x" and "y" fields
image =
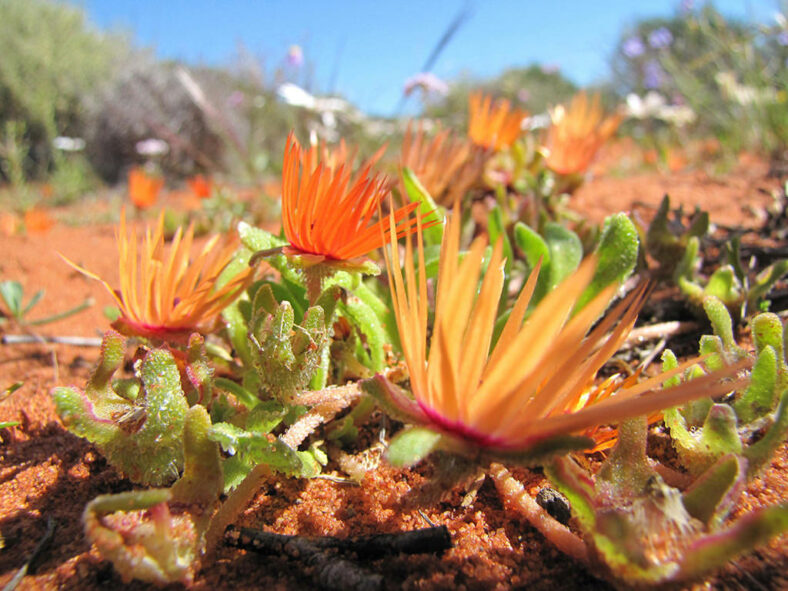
{"x": 515, "y": 496}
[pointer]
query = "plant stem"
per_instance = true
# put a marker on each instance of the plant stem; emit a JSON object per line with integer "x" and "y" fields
{"x": 515, "y": 496}
{"x": 236, "y": 502}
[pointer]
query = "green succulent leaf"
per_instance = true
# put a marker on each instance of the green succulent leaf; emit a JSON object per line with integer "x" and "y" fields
{"x": 669, "y": 362}
{"x": 767, "y": 331}
{"x": 759, "y": 454}
{"x": 367, "y": 322}
{"x": 566, "y": 252}
{"x": 411, "y": 445}
{"x": 202, "y": 481}
{"x": 764, "y": 282}
{"x": 626, "y": 470}
{"x": 748, "y": 532}
{"x": 12, "y": 294}
{"x": 258, "y": 240}
{"x": 617, "y": 255}
{"x": 532, "y": 245}
{"x": 576, "y": 486}
{"x": 287, "y": 355}
{"x": 497, "y": 230}
{"x": 142, "y": 437}
{"x": 252, "y": 448}
{"x": 137, "y": 532}
{"x": 721, "y": 321}
{"x": 724, "y": 285}
{"x": 688, "y": 262}
{"x": 713, "y": 495}
{"x": 416, "y": 192}
{"x": 760, "y": 397}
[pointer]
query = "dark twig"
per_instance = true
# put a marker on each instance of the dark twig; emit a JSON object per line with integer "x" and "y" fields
{"x": 329, "y": 572}
{"x": 333, "y": 572}
{"x": 417, "y": 541}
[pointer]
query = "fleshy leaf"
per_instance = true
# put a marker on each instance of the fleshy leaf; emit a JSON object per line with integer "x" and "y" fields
{"x": 251, "y": 448}
{"x": 566, "y": 252}
{"x": 411, "y": 445}
{"x": 532, "y": 244}
{"x": 626, "y": 471}
{"x": 497, "y": 230}
{"x": 712, "y": 496}
{"x": 201, "y": 482}
{"x": 748, "y": 532}
{"x": 759, "y": 454}
{"x": 287, "y": 355}
{"x": 761, "y": 395}
{"x": 140, "y": 437}
{"x": 136, "y": 531}
{"x": 721, "y": 323}
{"x": 416, "y": 191}
{"x": 617, "y": 254}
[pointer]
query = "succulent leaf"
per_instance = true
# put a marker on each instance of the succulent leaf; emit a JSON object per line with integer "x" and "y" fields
{"x": 140, "y": 437}
{"x": 617, "y": 253}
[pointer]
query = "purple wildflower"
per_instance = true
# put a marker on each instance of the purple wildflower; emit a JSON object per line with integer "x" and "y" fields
{"x": 295, "y": 56}
{"x": 633, "y": 47}
{"x": 236, "y": 99}
{"x": 428, "y": 82}
{"x": 660, "y": 38}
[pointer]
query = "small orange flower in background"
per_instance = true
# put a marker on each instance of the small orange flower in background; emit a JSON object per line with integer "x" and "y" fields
{"x": 200, "y": 186}
{"x": 676, "y": 159}
{"x": 327, "y": 214}
{"x": 493, "y": 126}
{"x": 38, "y": 221}
{"x": 533, "y": 385}
{"x": 577, "y": 133}
{"x": 446, "y": 166}
{"x": 168, "y": 293}
{"x": 144, "y": 188}
{"x": 8, "y": 224}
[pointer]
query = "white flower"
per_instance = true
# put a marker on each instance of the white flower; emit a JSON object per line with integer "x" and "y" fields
{"x": 68, "y": 144}
{"x": 743, "y": 94}
{"x": 296, "y": 96}
{"x": 152, "y": 147}
{"x": 643, "y": 108}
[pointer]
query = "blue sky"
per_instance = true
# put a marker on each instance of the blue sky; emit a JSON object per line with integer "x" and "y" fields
{"x": 365, "y": 49}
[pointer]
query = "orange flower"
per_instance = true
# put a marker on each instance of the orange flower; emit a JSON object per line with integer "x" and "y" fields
{"x": 327, "y": 215}
{"x": 446, "y": 166}
{"x": 38, "y": 221}
{"x": 493, "y": 126}
{"x": 200, "y": 186}
{"x": 577, "y": 133}
{"x": 143, "y": 188}
{"x": 532, "y": 386}
{"x": 169, "y": 294}
{"x": 8, "y": 224}
{"x": 675, "y": 159}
